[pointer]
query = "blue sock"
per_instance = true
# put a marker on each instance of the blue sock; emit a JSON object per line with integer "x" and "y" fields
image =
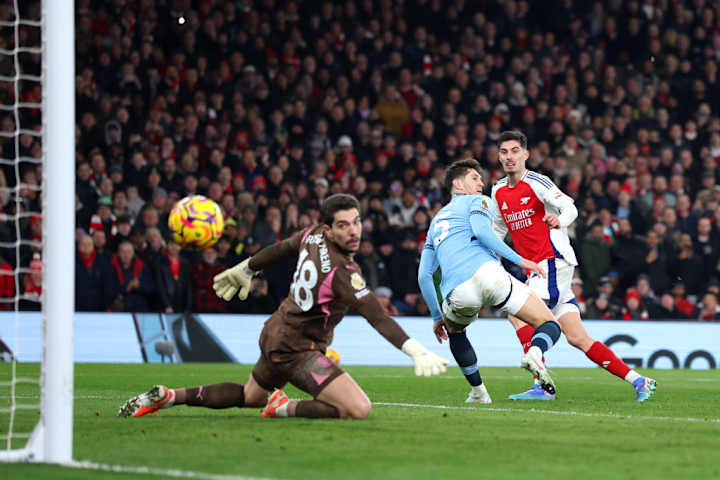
{"x": 464, "y": 355}
{"x": 546, "y": 335}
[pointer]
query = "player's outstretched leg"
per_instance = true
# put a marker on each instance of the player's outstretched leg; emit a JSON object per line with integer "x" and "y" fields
{"x": 464, "y": 354}
{"x": 603, "y": 356}
{"x": 544, "y": 338}
{"x": 532, "y": 362}
{"x": 528, "y": 307}
{"x": 219, "y": 395}
{"x": 525, "y": 333}
{"x": 151, "y": 401}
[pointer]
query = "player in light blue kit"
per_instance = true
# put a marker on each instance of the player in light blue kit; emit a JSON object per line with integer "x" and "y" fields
{"x": 461, "y": 242}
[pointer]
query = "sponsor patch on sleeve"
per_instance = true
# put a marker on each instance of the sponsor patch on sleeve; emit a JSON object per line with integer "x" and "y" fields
{"x": 482, "y": 207}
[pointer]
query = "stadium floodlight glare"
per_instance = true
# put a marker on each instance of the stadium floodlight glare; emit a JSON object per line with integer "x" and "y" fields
{"x": 51, "y": 440}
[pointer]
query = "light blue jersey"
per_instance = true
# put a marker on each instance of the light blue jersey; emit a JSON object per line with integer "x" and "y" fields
{"x": 460, "y": 239}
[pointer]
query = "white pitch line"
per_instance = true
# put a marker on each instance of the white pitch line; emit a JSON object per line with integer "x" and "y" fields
{"x": 87, "y": 465}
{"x": 569, "y": 413}
{"x": 520, "y": 377}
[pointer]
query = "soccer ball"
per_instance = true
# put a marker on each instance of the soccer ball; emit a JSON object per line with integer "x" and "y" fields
{"x": 196, "y": 222}
{"x": 333, "y": 355}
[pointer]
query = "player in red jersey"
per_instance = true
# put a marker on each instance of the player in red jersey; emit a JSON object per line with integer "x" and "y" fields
{"x": 537, "y": 213}
{"x": 326, "y": 284}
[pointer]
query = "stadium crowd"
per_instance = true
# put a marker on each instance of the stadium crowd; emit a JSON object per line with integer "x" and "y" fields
{"x": 268, "y": 107}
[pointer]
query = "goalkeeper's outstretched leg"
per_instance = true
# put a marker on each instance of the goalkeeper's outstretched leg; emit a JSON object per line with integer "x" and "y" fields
{"x": 335, "y": 393}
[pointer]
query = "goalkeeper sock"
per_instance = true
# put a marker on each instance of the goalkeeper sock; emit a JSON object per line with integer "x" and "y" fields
{"x": 313, "y": 409}
{"x": 219, "y": 395}
{"x": 464, "y": 355}
{"x": 606, "y": 358}
{"x": 546, "y": 335}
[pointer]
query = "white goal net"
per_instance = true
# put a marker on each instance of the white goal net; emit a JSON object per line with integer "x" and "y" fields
{"x": 36, "y": 229}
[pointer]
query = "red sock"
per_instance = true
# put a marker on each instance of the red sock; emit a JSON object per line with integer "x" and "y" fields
{"x": 525, "y": 335}
{"x": 604, "y": 357}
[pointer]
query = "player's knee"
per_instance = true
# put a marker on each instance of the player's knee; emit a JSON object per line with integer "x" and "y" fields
{"x": 577, "y": 340}
{"x": 453, "y": 327}
{"x": 358, "y": 410}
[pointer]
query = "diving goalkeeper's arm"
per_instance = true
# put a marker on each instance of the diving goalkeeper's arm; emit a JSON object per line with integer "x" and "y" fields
{"x": 426, "y": 362}
{"x": 237, "y": 279}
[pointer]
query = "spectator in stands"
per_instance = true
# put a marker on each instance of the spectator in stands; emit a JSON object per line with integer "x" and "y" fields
{"x": 204, "y": 298}
{"x": 404, "y": 259}
{"x": 173, "y": 279}
{"x": 32, "y": 286}
{"x": 595, "y": 257}
{"x": 85, "y": 186}
{"x": 687, "y": 266}
{"x": 683, "y": 304}
{"x": 104, "y": 219}
{"x": 133, "y": 281}
{"x": 709, "y": 310}
{"x": 226, "y": 256}
{"x": 268, "y": 230}
{"x": 627, "y": 254}
{"x": 577, "y": 287}
{"x": 93, "y": 278}
{"x": 600, "y": 308}
{"x": 707, "y": 248}
{"x": 623, "y": 135}
{"x": 124, "y": 227}
{"x": 262, "y": 300}
{"x": 392, "y": 109}
{"x": 656, "y": 266}
{"x": 135, "y": 202}
{"x": 372, "y": 266}
{"x": 7, "y": 285}
{"x": 384, "y": 296}
{"x": 634, "y": 308}
{"x": 647, "y": 295}
{"x": 100, "y": 244}
{"x": 668, "y": 310}
{"x": 154, "y": 248}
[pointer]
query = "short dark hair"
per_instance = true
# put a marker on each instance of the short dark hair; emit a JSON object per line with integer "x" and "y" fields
{"x": 458, "y": 169}
{"x": 335, "y": 203}
{"x": 508, "y": 135}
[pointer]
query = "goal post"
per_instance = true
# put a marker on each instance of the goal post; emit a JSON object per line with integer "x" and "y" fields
{"x": 58, "y": 20}
{"x": 51, "y": 440}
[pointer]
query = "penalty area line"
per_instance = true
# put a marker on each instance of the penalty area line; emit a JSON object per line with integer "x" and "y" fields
{"x": 568, "y": 413}
{"x": 168, "y": 472}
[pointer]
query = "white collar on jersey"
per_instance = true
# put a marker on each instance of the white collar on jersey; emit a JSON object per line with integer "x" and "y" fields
{"x": 521, "y": 179}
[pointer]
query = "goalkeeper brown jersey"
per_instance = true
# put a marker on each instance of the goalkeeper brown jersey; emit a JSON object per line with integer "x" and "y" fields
{"x": 326, "y": 283}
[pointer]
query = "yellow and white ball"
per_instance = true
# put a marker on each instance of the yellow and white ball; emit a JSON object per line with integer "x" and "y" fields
{"x": 196, "y": 222}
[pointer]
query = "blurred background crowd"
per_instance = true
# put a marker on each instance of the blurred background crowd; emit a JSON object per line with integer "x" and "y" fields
{"x": 267, "y": 107}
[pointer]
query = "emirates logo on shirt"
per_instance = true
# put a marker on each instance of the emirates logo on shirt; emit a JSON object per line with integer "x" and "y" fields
{"x": 518, "y": 220}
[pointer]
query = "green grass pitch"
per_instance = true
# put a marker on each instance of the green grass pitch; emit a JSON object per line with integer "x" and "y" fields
{"x": 420, "y": 428}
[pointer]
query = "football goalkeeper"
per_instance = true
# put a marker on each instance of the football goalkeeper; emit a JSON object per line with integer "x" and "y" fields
{"x": 327, "y": 282}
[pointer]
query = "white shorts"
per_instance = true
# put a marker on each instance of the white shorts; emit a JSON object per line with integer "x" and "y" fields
{"x": 490, "y": 286}
{"x": 556, "y": 289}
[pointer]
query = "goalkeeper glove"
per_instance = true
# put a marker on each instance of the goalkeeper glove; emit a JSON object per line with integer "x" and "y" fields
{"x": 235, "y": 279}
{"x": 426, "y": 362}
